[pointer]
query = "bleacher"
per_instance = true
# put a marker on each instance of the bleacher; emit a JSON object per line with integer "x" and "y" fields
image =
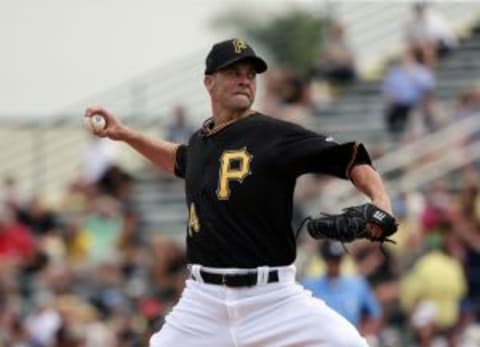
{"x": 357, "y": 112}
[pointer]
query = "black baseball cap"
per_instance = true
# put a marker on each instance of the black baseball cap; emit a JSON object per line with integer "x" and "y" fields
{"x": 228, "y": 52}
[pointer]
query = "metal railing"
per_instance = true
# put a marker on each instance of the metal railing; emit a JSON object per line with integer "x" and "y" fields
{"x": 415, "y": 165}
{"x": 44, "y": 160}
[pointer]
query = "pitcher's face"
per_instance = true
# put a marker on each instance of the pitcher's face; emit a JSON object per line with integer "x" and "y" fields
{"x": 234, "y": 87}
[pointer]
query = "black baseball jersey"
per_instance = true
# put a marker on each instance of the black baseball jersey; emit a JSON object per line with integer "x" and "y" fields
{"x": 239, "y": 186}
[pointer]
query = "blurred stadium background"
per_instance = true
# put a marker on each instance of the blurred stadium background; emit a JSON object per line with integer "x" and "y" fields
{"x": 91, "y": 236}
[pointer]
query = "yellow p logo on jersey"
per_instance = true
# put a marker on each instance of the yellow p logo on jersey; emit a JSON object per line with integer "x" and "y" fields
{"x": 234, "y": 166}
{"x": 239, "y": 45}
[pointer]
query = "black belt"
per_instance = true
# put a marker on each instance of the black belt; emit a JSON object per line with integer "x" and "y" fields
{"x": 249, "y": 279}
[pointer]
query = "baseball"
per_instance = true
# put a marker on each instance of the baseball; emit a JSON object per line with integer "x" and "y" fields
{"x": 95, "y": 123}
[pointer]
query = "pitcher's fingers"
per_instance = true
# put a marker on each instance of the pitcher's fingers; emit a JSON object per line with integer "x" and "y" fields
{"x": 374, "y": 230}
{"x": 90, "y": 111}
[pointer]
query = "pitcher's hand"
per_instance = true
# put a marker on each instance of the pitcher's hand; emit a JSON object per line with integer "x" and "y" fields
{"x": 114, "y": 128}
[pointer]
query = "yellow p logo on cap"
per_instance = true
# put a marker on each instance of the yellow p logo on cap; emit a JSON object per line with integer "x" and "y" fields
{"x": 239, "y": 45}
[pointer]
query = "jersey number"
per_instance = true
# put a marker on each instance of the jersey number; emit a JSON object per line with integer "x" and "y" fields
{"x": 234, "y": 166}
{"x": 193, "y": 223}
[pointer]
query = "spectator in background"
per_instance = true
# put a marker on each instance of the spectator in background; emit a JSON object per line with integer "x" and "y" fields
{"x": 351, "y": 296}
{"x": 15, "y": 333}
{"x": 180, "y": 129}
{"x": 16, "y": 240}
{"x": 433, "y": 289}
{"x": 44, "y": 321}
{"x": 9, "y": 195}
{"x": 99, "y": 156}
{"x": 116, "y": 183}
{"x": 437, "y": 212}
{"x": 468, "y": 103}
{"x": 168, "y": 264}
{"x": 106, "y": 293}
{"x": 104, "y": 228}
{"x": 296, "y": 100}
{"x": 381, "y": 269}
{"x": 467, "y": 227}
{"x": 337, "y": 64}
{"x": 77, "y": 241}
{"x": 38, "y": 217}
{"x": 429, "y": 32}
{"x": 287, "y": 95}
{"x": 406, "y": 86}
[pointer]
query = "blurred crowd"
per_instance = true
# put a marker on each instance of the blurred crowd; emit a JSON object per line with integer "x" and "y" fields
{"x": 85, "y": 273}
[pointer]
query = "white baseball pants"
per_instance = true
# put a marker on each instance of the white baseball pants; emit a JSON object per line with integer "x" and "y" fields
{"x": 281, "y": 314}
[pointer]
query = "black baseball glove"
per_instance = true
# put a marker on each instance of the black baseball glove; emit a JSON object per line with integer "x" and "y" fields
{"x": 352, "y": 224}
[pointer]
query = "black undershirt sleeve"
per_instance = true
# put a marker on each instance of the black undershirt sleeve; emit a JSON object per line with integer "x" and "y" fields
{"x": 181, "y": 161}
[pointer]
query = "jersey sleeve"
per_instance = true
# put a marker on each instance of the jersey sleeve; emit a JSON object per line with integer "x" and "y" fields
{"x": 181, "y": 161}
{"x": 303, "y": 151}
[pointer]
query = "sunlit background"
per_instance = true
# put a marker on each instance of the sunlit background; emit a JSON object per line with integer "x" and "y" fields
{"x": 91, "y": 235}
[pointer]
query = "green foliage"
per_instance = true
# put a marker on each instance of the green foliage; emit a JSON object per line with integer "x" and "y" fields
{"x": 295, "y": 38}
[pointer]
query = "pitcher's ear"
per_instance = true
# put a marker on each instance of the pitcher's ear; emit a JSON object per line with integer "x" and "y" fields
{"x": 208, "y": 81}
